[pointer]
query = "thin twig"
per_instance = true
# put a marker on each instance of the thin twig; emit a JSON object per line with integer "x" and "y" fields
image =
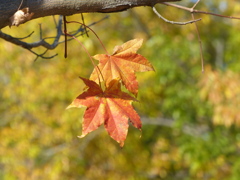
{"x": 173, "y": 22}
{"x": 76, "y": 33}
{"x": 198, "y": 11}
{"x": 55, "y": 22}
{"x": 85, "y": 28}
{"x": 40, "y": 31}
{"x": 20, "y": 5}
{"x": 25, "y": 36}
{"x": 42, "y": 55}
{"x": 95, "y": 66}
{"x": 65, "y": 35}
{"x": 196, "y": 4}
{"x": 200, "y": 45}
{"x": 92, "y": 32}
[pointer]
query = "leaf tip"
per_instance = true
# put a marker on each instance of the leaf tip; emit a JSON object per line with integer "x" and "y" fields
{"x": 70, "y": 106}
{"x": 140, "y": 40}
{"x": 73, "y": 106}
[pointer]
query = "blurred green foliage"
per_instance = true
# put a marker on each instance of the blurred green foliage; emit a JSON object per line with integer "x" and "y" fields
{"x": 38, "y": 137}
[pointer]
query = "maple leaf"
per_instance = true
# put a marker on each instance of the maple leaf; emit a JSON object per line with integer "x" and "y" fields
{"x": 122, "y": 64}
{"x": 111, "y": 107}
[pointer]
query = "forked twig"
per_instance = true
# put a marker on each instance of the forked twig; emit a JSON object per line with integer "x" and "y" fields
{"x": 173, "y": 22}
{"x": 42, "y": 55}
{"x": 42, "y": 42}
{"x": 192, "y": 10}
{"x": 80, "y": 29}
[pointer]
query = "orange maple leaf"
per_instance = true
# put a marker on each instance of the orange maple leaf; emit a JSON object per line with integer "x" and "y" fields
{"x": 111, "y": 107}
{"x": 122, "y": 64}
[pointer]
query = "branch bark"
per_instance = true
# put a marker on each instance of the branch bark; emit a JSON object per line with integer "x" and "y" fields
{"x": 42, "y": 8}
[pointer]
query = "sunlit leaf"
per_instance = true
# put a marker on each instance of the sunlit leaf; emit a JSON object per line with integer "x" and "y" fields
{"x": 111, "y": 107}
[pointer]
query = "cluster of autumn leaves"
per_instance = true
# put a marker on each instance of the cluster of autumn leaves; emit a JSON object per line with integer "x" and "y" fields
{"x": 225, "y": 99}
{"x": 105, "y": 101}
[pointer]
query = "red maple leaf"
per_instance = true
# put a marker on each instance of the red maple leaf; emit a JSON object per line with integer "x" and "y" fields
{"x": 122, "y": 64}
{"x": 111, "y": 107}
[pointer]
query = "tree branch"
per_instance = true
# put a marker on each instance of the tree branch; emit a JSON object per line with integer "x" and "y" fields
{"x": 192, "y": 130}
{"x": 68, "y": 7}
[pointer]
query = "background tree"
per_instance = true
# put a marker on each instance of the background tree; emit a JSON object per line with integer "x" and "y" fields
{"x": 180, "y": 139}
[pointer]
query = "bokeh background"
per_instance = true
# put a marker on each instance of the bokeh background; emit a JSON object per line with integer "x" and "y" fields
{"x": 191, "y": 120}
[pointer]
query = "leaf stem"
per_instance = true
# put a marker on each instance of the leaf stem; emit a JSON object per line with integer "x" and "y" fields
{"x": 92, "y": 32}
{"x": 98, "y": 70}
